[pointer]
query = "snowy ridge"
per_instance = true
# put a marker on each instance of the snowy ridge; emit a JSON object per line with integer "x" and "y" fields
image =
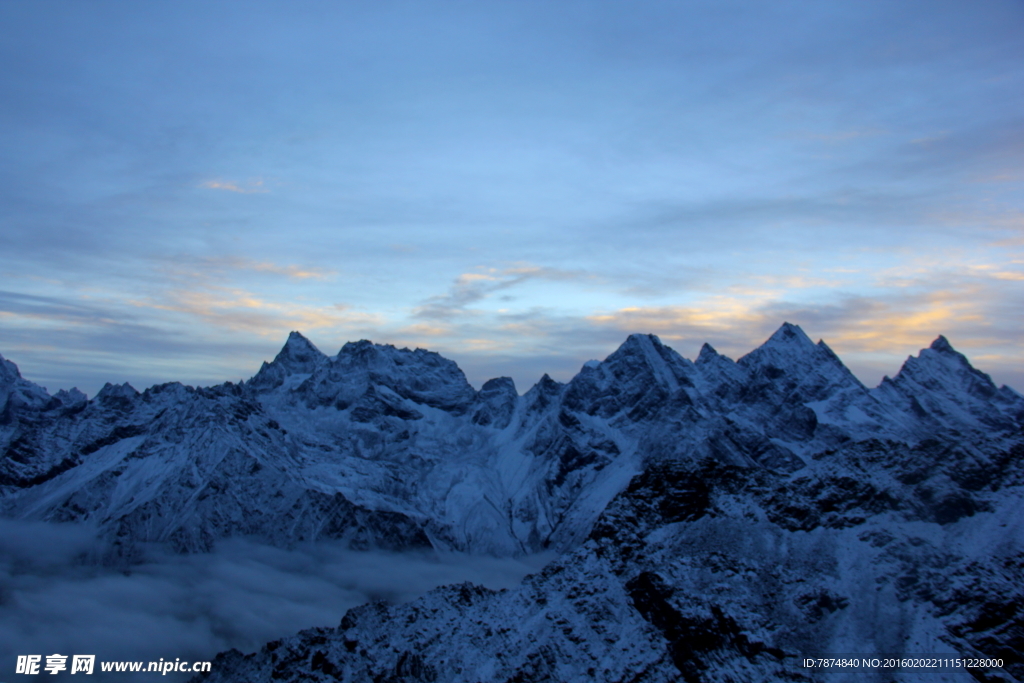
{"x": 17, "y": 393}
{"x": 719, "y": 518}
{"x": 376, "y": 438}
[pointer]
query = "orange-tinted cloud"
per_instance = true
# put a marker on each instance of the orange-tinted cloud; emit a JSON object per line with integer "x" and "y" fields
{"x": 241, "y": 311}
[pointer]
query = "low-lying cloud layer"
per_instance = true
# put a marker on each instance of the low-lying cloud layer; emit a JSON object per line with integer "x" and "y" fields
{"x": 55, "y": 599}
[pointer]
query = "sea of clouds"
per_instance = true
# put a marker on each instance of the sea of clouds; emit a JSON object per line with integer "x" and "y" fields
{"x": 55, "y": 598}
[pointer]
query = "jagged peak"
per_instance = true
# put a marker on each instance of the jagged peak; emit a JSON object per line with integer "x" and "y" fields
{"x": 640, "y": 341}
{"x": 788, "y": 342}
{"x": 361, "y": 346}
{"x": 940, "y": 365}
{"x": 650, "y": 347}
{"x": 364, "y": 348}
{"x": 297, "y": 356}
{"x": 498, "y": 385}
{"x": 298, "y": 346}
{"x": 789, "y": 334}
{"x": 296, "y": 340}
{"x": 116, "y": 391}
{"x": 790, "y": 351}
{"x": 634, "y": 344}
{"x": 541, "y": 394}
{"x": 9, "y": 368}
{"x": 942, "y": 345}
{"x": 827, "y": 351}
{"x": 547, "y": 384}
{"x": 941, "y": 350}
{"x": 384, "y": 357}
{"x": 1005, "y": 388}
{"x": 939, "y": 354}
{"x": 172, "y": 388}
{"x": 707, "y": 354}
{"x": 69, "y": 396}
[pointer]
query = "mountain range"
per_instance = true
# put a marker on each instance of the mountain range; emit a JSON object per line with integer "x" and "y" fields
{"x": 717, "y": 519}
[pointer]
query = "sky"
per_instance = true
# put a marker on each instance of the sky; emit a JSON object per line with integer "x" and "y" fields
{"x": 516, "y": 185}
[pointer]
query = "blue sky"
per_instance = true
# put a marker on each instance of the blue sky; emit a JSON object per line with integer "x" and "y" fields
{"x": 517, "y": 185}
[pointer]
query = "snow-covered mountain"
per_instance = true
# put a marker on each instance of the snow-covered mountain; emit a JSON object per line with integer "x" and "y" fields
{"x": 709, "y": 573}
{"x": 393, "y": 448}
{"x": 720, "y": 519}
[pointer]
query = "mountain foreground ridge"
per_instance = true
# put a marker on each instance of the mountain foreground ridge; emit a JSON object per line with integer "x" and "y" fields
{"x": 718, "y": 519}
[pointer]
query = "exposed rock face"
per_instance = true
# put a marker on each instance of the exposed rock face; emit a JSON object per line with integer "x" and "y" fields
{"x": 720, "y": 519}
{"x": 705, "y": 573}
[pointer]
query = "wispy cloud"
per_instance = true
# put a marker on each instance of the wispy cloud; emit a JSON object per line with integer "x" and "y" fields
{"x": 291, "y": 271}
{"x": 931, "y": 139}
{"x": 839, "y": 136}
{"x": 470, "y": 288}
{"x": 239, "y": 310}
{"x": 424, "y": 330}
{"x": 255, "y": 186}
